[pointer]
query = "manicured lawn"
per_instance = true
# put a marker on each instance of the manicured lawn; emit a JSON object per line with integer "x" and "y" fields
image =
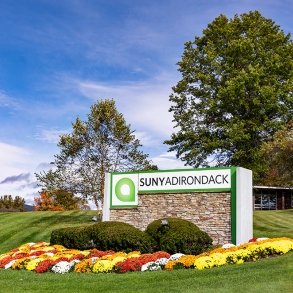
{"x": 20, "y": 228}
{"x": 267, "y": 275}
{"x": 273, "y": 223}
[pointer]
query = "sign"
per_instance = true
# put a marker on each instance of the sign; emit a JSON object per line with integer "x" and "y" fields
{"x": 122, "y": 189}
{"x": 126, "y": 186}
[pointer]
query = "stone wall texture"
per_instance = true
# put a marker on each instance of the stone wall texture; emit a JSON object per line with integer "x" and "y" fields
{"x": 211, "y": 212}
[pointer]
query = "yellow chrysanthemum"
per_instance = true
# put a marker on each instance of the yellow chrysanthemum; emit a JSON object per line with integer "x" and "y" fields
{"x": 24, "y": 248}
{"x": 32, "y": 264}
{"x": 47, "y": 248}
{"x": 112, "y": 256}
{"x": 204, "y": 262}
{"x": 4, "y": 255}
{"x": 103, "y": 266}
{"x": 84, "y": 266}
{"x": 58, "y": 247}
{"x": 187, "y": 260}
{"x": 20, "y": 263}
{"x": 72, "y": 251}
{"x": 133, "y": 254}
{"x": 170, "y": 264}
{"x": 219, "y": 259}
{"x": 118, "y": 259}
{"x": 40, "y": 245}
{"x": 61, "y": 254}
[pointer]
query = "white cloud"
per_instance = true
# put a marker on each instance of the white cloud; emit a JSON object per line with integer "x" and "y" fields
{"x": 144, "y": 105}
{"x": 145, "y": 139}
{"x": 7, "y": 101}
{"x": 27, "y": 191}
{"x": 13, "y": 160}
{"x": 44, "y": 166}
{"x": 51, "y": 135}
{"x": 168, "y": 160}
{"x": 17, "y": 167}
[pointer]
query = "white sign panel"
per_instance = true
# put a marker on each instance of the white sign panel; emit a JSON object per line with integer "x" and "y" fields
{"x": 125, "y": 186}
{"x": 184, "y": 180}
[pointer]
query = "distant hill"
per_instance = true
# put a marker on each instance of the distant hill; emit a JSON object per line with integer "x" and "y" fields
{"x": 28, "y": 208}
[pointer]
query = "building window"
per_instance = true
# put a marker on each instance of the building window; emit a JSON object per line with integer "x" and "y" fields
{"x": 265, "y": 201}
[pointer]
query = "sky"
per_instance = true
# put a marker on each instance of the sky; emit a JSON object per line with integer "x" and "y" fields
{"x": 58, "y": 57}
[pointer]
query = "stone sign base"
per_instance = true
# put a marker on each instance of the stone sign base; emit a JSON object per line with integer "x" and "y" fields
{"x": 211, "y": 212}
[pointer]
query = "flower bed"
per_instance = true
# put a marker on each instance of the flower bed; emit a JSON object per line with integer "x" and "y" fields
{"x": 41, "y": 257}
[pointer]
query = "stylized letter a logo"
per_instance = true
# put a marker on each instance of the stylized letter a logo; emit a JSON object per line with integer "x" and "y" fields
{"x": 125, "y": 190}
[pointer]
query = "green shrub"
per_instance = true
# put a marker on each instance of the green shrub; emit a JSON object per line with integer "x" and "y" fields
{"x": 177, "y": 235}
{"x": 73, "y": 237}
{"x": 120, "y": 236}
{"x": 115, "y": 236}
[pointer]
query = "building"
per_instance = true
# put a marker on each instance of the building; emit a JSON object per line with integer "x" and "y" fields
{"x": 272, "y": 198}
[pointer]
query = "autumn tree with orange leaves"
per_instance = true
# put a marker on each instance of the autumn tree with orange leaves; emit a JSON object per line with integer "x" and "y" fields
{"x": 59, "y": 200}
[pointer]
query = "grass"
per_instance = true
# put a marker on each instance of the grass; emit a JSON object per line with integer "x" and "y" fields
{"x": 273, "y": 223}
{"x": 20, "y": 228}
{"x": 267, "y": 275}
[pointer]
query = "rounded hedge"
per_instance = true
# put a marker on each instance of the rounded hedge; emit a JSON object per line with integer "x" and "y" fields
{"x": 177, "y": 235}
{"x": 120, "y": 236}
{"x": 116, "y": 236}
{"x": 73, "y": 237}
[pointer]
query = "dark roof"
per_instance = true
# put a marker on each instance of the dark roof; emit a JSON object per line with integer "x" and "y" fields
{"x": 273, "y": 187}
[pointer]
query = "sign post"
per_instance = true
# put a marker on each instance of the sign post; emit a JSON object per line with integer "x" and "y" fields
{"x": 122, "y": 191}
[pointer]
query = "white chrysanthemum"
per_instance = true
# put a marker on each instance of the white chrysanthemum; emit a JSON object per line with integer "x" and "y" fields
{"x": 62, "y": 267}
{"x": 75, "y": 261}
{"x": 10, "y": 264}
{"x": 94, "y": 259}
{"x": 162, "y": 261}
{"x": 176, "y": 256}
{"x": 261, "y": 239}
{"x": 150, "y": 266}
{"x": 145, "y": 266}
{"x": 50, "y": 254}
{"x": 228, "y": 245}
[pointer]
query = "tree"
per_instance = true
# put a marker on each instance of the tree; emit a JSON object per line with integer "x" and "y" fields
{"x": 235, "y": 92}
{"x": 8, "y": 203}
{"x": 46, "y": 203}
{"x": 103, "y": 143}
{"x": 58, "y": 200}
{"x": 278, "y": 155}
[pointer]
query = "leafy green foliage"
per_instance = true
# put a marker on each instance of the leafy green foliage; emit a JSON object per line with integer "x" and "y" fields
{"x": 235, "y": 92}
{"x": 58, "y": 200}
{"x": 8, "y": 203}
{"x": 77, "y": 237}
{"x": 103, "y": 143}
{"x": 120, "y": 236}
{"x": 278, "y": 156}
{"x": 116, "y": 236}
{"x": 177, "y": 235}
